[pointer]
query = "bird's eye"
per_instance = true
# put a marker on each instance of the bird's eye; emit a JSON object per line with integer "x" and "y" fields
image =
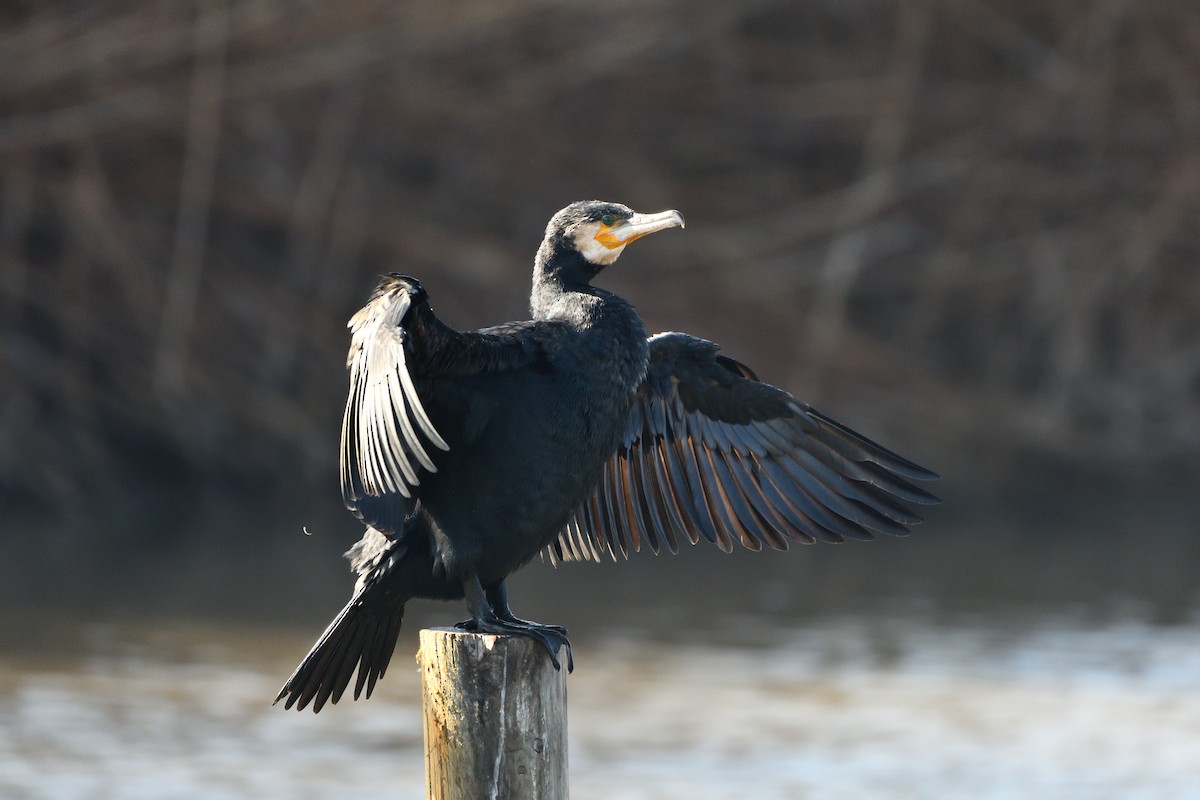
{"x": 608, "y": 220}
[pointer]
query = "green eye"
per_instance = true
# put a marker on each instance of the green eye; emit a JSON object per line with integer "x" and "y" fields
{"x": 608, "y": 220}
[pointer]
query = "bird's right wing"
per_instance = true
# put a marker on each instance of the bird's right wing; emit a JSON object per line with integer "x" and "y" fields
{"x": 712, "y": 452}
{"x": 401, "y": 359}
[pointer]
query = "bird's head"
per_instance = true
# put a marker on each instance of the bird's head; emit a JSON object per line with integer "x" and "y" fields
{"x": 587, "y": 236}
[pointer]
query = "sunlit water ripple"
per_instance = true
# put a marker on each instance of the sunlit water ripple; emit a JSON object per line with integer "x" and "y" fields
{"x": 844, "y": 708}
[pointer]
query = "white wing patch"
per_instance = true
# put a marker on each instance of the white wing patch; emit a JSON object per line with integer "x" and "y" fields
{"x": 384, "y": 414}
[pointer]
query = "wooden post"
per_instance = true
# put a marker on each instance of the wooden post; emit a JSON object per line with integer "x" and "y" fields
{"x": 495, "y": 717}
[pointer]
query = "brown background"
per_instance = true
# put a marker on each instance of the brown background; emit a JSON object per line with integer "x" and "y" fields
{"x": 968, "y": 229}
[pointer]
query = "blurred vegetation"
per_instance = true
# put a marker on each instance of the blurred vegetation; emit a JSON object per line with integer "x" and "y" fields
{"x": 968, "y": 228}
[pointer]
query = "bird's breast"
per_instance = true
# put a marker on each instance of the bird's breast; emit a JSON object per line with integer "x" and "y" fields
{"x": 507, "y": 494}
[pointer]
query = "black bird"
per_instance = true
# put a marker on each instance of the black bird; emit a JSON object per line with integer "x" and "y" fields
{"x": 573, "y": 434}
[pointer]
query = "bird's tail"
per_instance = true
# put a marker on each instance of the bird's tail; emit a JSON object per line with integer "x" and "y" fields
{"x": 362, "y": 635}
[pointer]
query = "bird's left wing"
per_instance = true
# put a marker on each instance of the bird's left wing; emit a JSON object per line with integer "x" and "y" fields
{"x": 710, "y": 451}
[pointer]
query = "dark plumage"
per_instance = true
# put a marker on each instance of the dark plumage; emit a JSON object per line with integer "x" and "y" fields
{"x": 573, "y": 434}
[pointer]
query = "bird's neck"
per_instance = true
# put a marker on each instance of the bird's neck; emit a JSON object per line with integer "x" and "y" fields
{"x": 611, "y": 337}
{"x": 561, "y": 289}
{"x": 568, "y": 305}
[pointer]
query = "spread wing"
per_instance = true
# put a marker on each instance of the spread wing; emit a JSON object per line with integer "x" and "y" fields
{"x": 386, "y": 432}
{"x": 712, "y": 452}
{"x": 403, "y": 359}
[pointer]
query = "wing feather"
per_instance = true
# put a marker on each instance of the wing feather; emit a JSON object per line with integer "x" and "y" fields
{"x": 656, "y": 499}
{"x": 630, "y": 504}
{"x": 674, "y": 489}
{"x": 651, "y": 499}
{"x": 382, "y": 453}
{"x": 710, "y": 489}
{"x": 775, "y": 492}
{"x": 737, "y": 513}
{"x": 712, "y": 452}
{"x": 773, "y": 530}
{"x": 613, "y": 511}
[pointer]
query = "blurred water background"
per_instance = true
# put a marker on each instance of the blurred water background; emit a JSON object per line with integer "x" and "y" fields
{"x": 967, "y": 229}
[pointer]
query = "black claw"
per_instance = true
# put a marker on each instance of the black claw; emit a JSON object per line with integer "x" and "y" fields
{"x": 557, "y": 630}
{"x": 507, "y": 616}
{"x": 552, "y": 637}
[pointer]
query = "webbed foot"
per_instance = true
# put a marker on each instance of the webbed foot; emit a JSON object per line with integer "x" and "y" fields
{"x": 552, "y": 637}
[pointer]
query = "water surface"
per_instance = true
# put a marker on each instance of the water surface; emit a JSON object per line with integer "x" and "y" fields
{"x": 841, "y": 707}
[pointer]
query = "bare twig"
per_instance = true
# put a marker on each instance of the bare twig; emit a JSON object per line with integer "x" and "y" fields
{"x": 87, "y": 119}
{"x": 881, "y": 156}
{"x": 310, "y": 210}
{"x": 17, "y": 206}
{"x": 191, "y": 231}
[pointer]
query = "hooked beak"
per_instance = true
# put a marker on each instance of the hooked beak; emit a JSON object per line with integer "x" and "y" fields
{"x": 638, "y": 226}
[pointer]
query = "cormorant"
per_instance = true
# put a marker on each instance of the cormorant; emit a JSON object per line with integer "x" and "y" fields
{"x": 468, "y": 453}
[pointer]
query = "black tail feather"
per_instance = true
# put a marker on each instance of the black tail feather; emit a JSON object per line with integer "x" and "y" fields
{"x": 361, "y": 636}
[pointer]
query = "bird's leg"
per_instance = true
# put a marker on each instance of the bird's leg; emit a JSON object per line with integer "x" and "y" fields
{"x": 497, "y": 597}
{"x": 485, "y": 620}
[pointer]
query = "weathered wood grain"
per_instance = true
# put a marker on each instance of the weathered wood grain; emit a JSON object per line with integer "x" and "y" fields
{"x": 495, "y": 713}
